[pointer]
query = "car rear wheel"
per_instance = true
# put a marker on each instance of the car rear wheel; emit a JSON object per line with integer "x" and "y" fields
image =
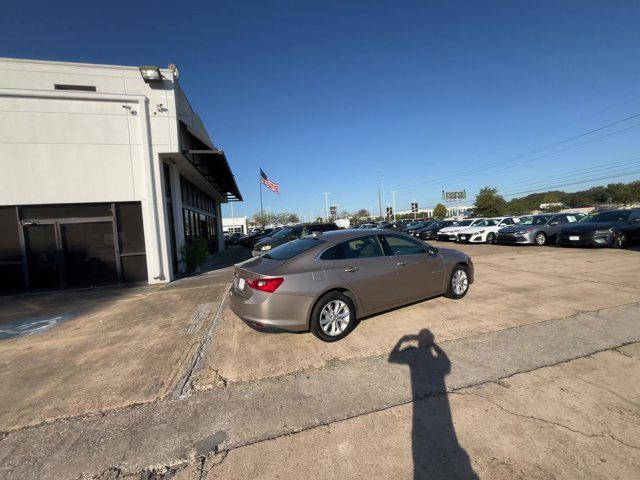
{"x": 491, "y": 237}
{"x": 620, "y": 240}
{"x": 458, "y": 283}
{"x": 333, "y": 317}
{"x": 540, "y": 238}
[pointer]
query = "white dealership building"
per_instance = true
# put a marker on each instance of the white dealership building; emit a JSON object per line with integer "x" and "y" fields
{"x": 107, "y": 172}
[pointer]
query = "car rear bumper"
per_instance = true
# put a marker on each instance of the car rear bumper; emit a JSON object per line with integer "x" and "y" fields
{"x": 267, "y": 311}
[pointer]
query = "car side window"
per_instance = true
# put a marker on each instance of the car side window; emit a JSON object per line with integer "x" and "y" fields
{"x": 571, "y": 218}
{"x": 507, "y": 221}
{"x": 363, "y": 247}
{"x": 635, "y": 216}
{"x": 398, "y": 245}
{"x": 334, "y": 253}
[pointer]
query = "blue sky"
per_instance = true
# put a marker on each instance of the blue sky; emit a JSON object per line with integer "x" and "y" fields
{"x": 346, "y": 96}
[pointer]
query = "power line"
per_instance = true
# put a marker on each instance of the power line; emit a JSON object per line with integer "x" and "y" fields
{"x": 501, "y": 164}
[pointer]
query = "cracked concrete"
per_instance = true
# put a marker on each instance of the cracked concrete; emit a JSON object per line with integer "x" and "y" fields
{"x": 254, "y": 412}
{"x": 547, "y": 333}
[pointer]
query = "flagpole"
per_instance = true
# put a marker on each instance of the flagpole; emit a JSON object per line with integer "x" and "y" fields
{"x": 260, "y": 187}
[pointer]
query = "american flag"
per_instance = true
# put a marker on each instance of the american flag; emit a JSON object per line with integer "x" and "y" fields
{"x": 271, "y": 185}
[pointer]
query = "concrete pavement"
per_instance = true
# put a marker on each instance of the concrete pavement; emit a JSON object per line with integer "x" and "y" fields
{"x": 177, "y": 434}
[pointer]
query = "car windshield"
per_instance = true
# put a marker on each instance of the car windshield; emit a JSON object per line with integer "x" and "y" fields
{"x": 490, "y": 222}
{"x": 602, "y": 217}
{"x": 285, "y": 232}
{"x": 464, "y": 223}
{"x": 541, "y": 220}
{"x": 291, "y": 249}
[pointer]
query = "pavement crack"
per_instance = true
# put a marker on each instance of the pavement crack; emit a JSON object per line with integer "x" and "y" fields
{"x": 549, "y": 422}
{"x": 183, "y": 388}
{"x": 617, "y": 349}
{"x": 608, "y": 390}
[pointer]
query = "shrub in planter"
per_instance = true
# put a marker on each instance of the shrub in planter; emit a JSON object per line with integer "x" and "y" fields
{"x": 194, "y": 253}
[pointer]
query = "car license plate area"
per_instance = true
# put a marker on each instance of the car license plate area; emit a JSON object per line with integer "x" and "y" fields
{"x": 574, "y": 238}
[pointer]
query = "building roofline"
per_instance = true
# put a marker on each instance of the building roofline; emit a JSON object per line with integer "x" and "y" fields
{"x": 72, "y": 64}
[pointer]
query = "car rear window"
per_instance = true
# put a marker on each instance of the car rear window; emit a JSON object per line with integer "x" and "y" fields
{"x": 293, "y": 248}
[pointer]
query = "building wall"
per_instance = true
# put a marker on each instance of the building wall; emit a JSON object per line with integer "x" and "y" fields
{"x": 61, "y": 146}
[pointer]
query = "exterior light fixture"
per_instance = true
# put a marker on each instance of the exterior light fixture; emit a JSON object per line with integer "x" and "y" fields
{"x": 151, "y": 74}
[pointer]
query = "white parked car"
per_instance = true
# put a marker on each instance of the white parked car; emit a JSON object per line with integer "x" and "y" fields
{"x": 450, "y": 233}
{"x": 485, "y": 231}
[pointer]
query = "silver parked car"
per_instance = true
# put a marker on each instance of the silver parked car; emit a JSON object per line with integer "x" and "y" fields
{"x": 537, "y": 229}
{"x": 325, "y": 282}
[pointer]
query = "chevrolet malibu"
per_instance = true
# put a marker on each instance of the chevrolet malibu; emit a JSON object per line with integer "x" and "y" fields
{"x": 326, "y": 282}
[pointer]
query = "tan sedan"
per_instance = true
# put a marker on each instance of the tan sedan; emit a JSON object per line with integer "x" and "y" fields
{"x": 324, "y": 283}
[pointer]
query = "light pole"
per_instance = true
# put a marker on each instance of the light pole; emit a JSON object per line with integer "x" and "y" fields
{"x": 326, "y": 206}
{"x": 393, "y": 193}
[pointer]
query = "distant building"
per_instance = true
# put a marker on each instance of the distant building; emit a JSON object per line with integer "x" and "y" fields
{"x": 235, "y": 225}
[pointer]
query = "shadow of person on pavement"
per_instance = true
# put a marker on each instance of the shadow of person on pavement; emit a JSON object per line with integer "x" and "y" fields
{"x": 436, "y": 451}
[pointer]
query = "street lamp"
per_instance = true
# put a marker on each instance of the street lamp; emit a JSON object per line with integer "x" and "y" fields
{"x": 151, "y": 74}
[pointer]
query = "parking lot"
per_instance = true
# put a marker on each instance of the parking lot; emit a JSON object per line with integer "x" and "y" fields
{"x": 538, "y": 359}
{"x": 515, "y": 285}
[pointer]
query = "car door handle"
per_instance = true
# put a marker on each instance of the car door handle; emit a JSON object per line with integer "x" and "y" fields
{"x": 351, "y": 269}
{"x": 401, "y": 264}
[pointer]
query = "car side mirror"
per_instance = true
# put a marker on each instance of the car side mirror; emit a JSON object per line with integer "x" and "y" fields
{"x": 432, "y": 250}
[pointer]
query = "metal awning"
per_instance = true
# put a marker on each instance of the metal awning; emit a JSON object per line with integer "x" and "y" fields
{"x": 212, "y": 164}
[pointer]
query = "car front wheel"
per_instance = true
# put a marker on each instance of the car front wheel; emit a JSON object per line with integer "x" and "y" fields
{"x": 458, "y": 283}
{"x": 620, "y": 240}
{"x": 491, "y": 237}
{"x": 541, "y": 238}
{"x": 333, "y": 317}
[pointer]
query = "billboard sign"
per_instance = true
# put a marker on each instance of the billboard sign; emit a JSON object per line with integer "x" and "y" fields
{"x": 452, "y": 196}
{"x": 414, "y": 207}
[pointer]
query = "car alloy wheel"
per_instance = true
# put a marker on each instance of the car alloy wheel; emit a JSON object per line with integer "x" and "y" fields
{"x": 335, "y": 317}
{"x": 459, "y": 283}
{"x": 620, "y": 240}
{"x": 491, "y": 237}
{"x": 541, "y": 238}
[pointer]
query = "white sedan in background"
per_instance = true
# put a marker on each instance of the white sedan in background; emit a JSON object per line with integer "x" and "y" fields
{"x": 485, "y": 231}
{"x": 450, "y": 233}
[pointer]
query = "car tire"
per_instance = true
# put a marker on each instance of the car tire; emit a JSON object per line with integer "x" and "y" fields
{"x": 540, "y": 239}
{"x": 491, "y": 237}
{"x": 453, "y": 290}
{"x": 620, "y": 240}
{"x": 322, "y": 320}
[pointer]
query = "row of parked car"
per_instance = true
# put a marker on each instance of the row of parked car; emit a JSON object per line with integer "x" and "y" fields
{"x": 615, "y": 228}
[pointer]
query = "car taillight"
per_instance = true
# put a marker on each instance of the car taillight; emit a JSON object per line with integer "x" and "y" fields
{"x": 266, "y": 284}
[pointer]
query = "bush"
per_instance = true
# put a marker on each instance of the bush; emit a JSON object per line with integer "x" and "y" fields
{"x": 194, "y": 253}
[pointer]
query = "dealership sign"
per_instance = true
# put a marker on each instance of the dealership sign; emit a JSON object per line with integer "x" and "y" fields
{"x": 451, "y": 196}
{"x": 414, "y": 207}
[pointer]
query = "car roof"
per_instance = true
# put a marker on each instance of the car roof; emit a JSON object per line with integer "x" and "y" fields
{"x": 339, "y": 235}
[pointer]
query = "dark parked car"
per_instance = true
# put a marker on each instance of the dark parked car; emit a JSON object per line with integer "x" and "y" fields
{"x": 430, "y": 232}
{"x": 290, "y": 233}
{"x": 246, "y": 240}
{"x": 611, "y": 228}
{"x": 396, "y": 226}
{"x": 232, "y": 239}
{"x": 537, "y": 229}
{"x": 417, "y": 226}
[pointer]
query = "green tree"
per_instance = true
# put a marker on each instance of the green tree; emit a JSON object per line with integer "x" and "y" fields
{"x": 264, "y": 218}
{"x": 489, "y": 203}
{"x": 440, "y": 211}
